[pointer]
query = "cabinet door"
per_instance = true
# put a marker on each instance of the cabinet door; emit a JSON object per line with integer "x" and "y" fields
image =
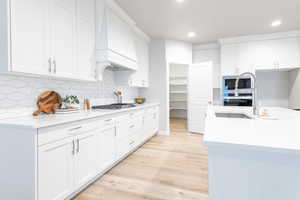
{"x": 63, "y": 39}
{"x": 55, "y": 170}
{"x": 85, "y": 165}
{"x": 29, "y": 36}
{"x": 151, "y": 124}
{"x": 278, "y": 54}
{"x": 265, "y": 55}
{"x": 288, "y": 53}
{"x": 140, "y": 78}
{"x": 199, "y": 95}
{"x": 123, "y": 146}
{"x": 246, "y": 57}
{"x": 120, "y": 36}
{"x": 85, "y": 39}
{"x": 229, "y": 60}
{"x": 107, "y": 148}
{"x": 123, "y": 135}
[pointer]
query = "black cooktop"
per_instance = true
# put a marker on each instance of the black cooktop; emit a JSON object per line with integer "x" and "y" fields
{"x": 116, "y": 106}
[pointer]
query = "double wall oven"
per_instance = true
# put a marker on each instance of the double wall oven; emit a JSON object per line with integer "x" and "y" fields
{"x": 240, "y": 96}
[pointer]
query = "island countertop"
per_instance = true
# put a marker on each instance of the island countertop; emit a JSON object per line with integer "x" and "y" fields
{"x": 280, "y": 130}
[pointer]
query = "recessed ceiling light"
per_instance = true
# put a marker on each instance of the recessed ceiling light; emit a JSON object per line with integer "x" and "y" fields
{"x": 180, "y": 1}
{"x": 191, "y": 34}
{"x": 276, "y": 23}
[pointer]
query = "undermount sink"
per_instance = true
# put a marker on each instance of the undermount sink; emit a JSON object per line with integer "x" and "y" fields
{"x": 233, "y": 115}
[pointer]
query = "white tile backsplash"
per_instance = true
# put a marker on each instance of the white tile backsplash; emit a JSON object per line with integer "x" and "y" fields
{"x": 18, "y": 94}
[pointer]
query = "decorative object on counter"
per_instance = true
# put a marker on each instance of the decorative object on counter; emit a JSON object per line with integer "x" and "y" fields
{"x": 48, "y": 102}
{"x": 87, "y": 104}
{"x": 71, "y": 101}
{"x": 140, "y": 100}
{"x": 119, "y": 96}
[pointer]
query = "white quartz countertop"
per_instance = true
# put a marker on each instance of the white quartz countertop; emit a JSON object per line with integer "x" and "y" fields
{"x": 43, "y": 120}
{"x": 279, "y": 130}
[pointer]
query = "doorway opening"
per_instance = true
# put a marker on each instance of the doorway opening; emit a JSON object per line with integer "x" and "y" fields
{"x": 178, "y": 97}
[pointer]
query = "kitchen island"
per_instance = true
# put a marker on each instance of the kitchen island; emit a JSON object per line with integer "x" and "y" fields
{"x": 253, "y": 158}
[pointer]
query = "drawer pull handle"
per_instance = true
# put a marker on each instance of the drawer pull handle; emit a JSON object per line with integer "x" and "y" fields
{"x": 78, "y": 147}
{"x": 108, "y": 120}
{"x": 132, "y": 126}
{"x": 74, "y": 129}
{"x": 73, "y": 150}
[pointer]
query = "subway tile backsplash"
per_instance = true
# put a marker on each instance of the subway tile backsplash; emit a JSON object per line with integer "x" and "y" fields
{"x": 18, "y": 94}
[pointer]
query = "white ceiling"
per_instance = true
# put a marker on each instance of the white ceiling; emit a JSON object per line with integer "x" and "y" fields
{"x": 211, "y": 19}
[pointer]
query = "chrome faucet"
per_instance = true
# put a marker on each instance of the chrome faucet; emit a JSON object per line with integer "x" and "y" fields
{"x": 254, "y": 101}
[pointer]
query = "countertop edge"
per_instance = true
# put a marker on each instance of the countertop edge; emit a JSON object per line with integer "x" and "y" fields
{"x": 93, "y": 114}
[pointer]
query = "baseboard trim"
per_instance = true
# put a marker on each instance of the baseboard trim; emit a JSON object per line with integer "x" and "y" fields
{"x": 164, "y": 132}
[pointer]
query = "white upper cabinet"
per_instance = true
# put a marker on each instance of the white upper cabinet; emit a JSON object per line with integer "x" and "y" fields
{"x": 281, "y": 53}
{"x": 245, "y": 60}
{"x": 86, "y": 43}
{"x": 29, "y": 36}
{"x": 229, "y": 59}
{"x": 267, "y": 52}
{"x": 50, "y": 37}
{"x": 120, "y": 38}
{"x": 63, "y": 38}
{"x": 141, "y": 77}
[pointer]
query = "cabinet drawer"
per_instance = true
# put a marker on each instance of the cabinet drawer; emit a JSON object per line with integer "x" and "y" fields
{"x": 136, "y": 114}
{"x": 136, "y": 124}
{"x": 108, "y": 123}
{"x": 152, "y": 110}
{"x": 55, "y": 133}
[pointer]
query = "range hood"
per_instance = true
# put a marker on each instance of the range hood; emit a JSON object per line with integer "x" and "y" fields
{"x": 115, "y": 62}
{"x": 115, "y": 39}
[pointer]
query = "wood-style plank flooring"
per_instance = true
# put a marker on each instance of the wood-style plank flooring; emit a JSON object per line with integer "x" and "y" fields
{"x": 165, "y": 168}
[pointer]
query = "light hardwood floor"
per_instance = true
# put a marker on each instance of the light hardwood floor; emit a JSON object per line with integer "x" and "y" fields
{"x": 165, "y": 168}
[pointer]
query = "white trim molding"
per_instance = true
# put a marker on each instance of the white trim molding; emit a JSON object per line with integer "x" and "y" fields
{"x": 259, "y": 37}
{"x": 207, "y": 46}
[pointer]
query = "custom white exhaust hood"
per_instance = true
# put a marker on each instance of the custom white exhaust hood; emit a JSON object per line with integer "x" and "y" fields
{"x": 115, "y": 39}
{"x": 108, "y": 59}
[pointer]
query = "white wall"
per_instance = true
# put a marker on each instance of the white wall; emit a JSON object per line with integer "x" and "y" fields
{"x": 273, "y": 88}
{"x": 178, "y": 52}
{"x": 18, "y": 94}
{"x": 294, "y": 89}
{"x": 158, "y": 85}
{"x": 162, "y": 53}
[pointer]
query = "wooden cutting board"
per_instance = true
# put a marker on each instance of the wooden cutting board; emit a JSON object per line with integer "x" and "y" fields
{"x": 48, "y": 102}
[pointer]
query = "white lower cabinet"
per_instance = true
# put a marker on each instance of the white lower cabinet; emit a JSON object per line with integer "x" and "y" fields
{"x": 85, "y": 160}
{"x": 55, "y": 170}
{"x": 106, "y": 148}
{"x": 66, "y": 165}
{"x": 151, "y": 122}
{"x": 70, "y": 156}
